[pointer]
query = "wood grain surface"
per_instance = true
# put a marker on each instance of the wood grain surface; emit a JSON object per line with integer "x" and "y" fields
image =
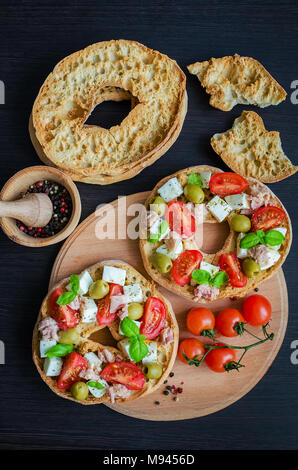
{"x": 34, "y": 36}
{"x": 204, "y": 391}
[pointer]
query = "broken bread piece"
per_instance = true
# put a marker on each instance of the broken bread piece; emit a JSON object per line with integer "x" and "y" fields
{"x": 249, "y": 149}
{"x": 233, "y": 80}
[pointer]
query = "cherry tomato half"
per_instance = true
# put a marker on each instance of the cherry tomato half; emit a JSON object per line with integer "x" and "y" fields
{"x": 154, "y": 317}
{"x": 267, "y": 218}
{"x": 225, "y": 184}
{"x": 124, "y": 373}
{"x": 65, "y": 316}
{"x": 226, "y": 321}
{"x": 191, "y": 347}
{"x": 104, "y": 316}
{"x": 180, "y": 219}
{"x": 257, "y": 310}
{"x": 73, "y": 364}
{"x": 217, "y": 359}
{"x": 230, "y": 263}
{"x": 184, "y": 265}
{"x": 200, "y": 321}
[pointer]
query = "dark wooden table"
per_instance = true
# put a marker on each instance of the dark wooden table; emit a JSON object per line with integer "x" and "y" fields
{"x": 34, "y": 36}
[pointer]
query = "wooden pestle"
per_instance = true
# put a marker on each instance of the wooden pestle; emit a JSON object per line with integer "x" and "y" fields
{"x": 34, "y": 210}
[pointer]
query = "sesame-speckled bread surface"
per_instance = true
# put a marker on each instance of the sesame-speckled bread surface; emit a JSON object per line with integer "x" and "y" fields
{"x": 250, "y": 150}
{"x": 233, "y": 80}
{"x": 76, "y": 86}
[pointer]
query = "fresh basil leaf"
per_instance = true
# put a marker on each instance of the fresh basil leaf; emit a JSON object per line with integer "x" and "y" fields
{"x": 138, "y": 349}
{"x": 220, "y": 279}
{"x": 163, "y": 227}
{"x": 59, "y": 350}
{"x": 66, "y": 297}
{"x": 74, "y": 283}
{"x": 250, "y": 240}
{"x": 97, "y": 385}
{"x": 274, "y": 238}
{"x": 196, "y": 179}
{"x": 129, "y": 328}
{"x": 261, "y": 236}
{"x": 153, "y": 238}
{"x": 200, "y": 276}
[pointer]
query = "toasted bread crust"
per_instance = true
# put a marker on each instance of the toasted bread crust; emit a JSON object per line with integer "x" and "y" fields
{"x": 74, "y": 88}
{"x": 147, "y": 248}
{"x": 233, "y": 80}
{"x": 249, "y": 149}
{"x": 85, "y": 345}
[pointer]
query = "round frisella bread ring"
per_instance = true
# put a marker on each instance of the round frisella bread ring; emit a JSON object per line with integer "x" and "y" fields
{"x": 166, "y": 354}
{"x": 74, "y": 88}
{"x": 166, "y": 280}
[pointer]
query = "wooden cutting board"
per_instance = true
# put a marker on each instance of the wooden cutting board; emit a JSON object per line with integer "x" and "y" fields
{"x": 204, "y": 391}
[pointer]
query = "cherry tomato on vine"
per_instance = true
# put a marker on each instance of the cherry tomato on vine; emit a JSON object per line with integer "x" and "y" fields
{"x": 200, "y": 321}
{"x": 257, "y": 310}
{"x": 191, "y": 347}
{"x": 229, "y": 322}
{"x": 218, "y": 359}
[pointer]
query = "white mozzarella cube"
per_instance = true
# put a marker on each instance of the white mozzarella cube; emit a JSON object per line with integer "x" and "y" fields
{"x": 152, "y": 354}
{"x": 154, "y": 229}
{"x": 138, "y": 323}
{"x": 46, "y": 344}
{"x": 124, "y": 346}
{"x": 219, "y": 208}
{"x": 96, "y": 392}
{"x": 283, "y": 231}
{"x": 210, "y": 268}
{"x": 52, "y": 366}
{"x": 133, "y": 293}
{"x": 114, "y": 275}
{"x": 88, "y": 310}
{"x": 241, "y": 252}
{"x": 205, "y": 177}
{"x": 85, "y": 280}
{"x": 172, "y": 254}
{"x": 170, "y": 190}
{"x": 268, "y": 258}
{"x": 93, "y": 360}
{"x": 238, "y": 201}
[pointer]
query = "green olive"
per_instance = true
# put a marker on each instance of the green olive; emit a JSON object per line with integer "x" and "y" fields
{"x": 240, "y": 223}
{"x": 153, "y": 371}
{"x": 70, "y": 336}
{"x": 135, "y": 311}
{"x": 98, "y": 289}
{"x": 158, "y": 205}
{"x": 80, "y": 391}
{"x": 250, "y": 267}
{"x": 161, "y": 262}
{"x": 194, "y": 193}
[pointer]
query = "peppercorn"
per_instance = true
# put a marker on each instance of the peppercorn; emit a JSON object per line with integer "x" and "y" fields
{"x": 172, "y": 374}
{"x": 157, "y": 403}
{"x": 165, "y": 392}
{"x": 62, "y": 209}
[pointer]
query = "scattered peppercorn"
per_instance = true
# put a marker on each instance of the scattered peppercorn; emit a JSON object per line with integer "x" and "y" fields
{"x": 169, "y": 387}
{"x": 256, "y": 289}
{"x": 172, "y": 374}
{"x": 62, "y": 209}
{"x": 165, "y": 382}
{"x": 157, "y": 403}
{"x": 166, "y": 392}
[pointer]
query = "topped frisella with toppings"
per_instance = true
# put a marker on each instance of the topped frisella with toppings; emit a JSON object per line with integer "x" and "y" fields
{"x": 258, "y": 242}
{"x": 109, "y": 294}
